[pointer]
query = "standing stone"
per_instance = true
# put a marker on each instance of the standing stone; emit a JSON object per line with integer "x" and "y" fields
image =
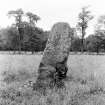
{"x": 54, "y": 61}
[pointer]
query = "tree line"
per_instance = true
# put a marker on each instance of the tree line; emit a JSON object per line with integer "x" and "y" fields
{"x": 24, "y": 35}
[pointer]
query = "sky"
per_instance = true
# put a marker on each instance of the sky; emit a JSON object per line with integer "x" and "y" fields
{"x": 52, "y": 11}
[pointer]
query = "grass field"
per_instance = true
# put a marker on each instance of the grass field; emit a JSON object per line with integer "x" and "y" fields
{"x": 86, "y": 85}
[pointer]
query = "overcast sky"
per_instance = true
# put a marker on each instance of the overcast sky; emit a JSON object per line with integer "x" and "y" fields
{"x": 52, "y": 11}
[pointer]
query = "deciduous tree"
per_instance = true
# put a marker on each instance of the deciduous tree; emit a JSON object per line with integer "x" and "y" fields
{"x": 84, "y": 17}
{"x": 18, "y": 18}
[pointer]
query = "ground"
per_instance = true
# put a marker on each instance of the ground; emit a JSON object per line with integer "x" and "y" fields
{"x": 85, "y": 86}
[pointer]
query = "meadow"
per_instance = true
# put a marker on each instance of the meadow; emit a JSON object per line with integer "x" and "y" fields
{"x": 85, "y": 84}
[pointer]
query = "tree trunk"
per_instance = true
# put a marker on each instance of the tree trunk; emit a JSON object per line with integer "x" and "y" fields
{"x": 82, "y": 45}
{"x": 32, "y": 52}
{"x": 21, "y": 32}
{"x": 53, "y": 66}
{"x": 82, "y": 40}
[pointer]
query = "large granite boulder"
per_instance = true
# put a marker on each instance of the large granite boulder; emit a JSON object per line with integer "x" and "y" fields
{"x": 53, "y": 65}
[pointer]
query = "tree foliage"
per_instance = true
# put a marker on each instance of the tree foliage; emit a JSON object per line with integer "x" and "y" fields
{"x": 28, "y": 34}
{"x": 84, "y": 17}
{"x": 32, "y": 18}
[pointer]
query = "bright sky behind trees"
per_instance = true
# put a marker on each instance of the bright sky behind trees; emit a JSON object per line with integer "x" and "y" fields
{"x": 52, "y": 11}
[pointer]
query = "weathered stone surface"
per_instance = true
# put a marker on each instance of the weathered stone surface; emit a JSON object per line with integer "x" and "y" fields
{"x": 56, "y": 53}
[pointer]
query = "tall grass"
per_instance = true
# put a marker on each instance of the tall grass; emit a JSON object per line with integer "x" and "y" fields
{"x": 82, "y": 86}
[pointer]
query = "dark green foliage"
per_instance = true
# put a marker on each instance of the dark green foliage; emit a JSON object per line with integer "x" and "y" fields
{"x": 33, "y": 39}
{"x": 9, "y": 38}
{"x": 30, "y": 37}
{"x": 95, "y": 43}
{"x": 76, "y": 45}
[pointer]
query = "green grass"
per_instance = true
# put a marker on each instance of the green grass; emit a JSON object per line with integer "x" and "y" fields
{"x": 85, "y": 86}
